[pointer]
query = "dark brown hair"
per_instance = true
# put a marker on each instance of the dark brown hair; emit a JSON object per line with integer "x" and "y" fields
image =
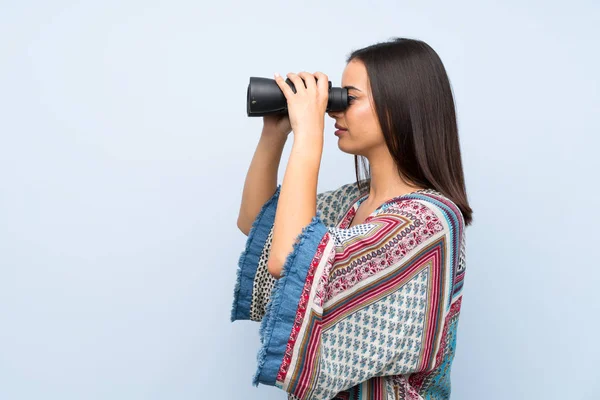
{"x": 415, "y": 107}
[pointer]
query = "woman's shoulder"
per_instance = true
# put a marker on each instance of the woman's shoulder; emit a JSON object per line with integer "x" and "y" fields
{"x": 347, "y": 191}
{"x": 428, "y": 204}
{"x": 333, "y": 203}
{"x": 439, "y": 201}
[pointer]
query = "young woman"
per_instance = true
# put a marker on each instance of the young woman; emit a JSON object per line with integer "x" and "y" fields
{"x": 358, "y": 289}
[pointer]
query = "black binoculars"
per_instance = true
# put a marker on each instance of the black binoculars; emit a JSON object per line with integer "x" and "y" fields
{"x": 265, "y": 97}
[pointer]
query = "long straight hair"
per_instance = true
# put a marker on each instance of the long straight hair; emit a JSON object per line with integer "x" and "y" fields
{"x": 415, "y": 107}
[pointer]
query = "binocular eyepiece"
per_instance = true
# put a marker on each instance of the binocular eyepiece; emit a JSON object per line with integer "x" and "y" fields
{"x": 265, "y": 97}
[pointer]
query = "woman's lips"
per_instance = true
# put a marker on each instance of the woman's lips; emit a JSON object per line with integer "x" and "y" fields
{"x": 340, "y": 131}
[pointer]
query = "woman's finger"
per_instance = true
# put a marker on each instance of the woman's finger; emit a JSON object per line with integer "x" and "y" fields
{"x": 322, "y": 83}
{"x": 309, "y": 80}
{"x": 285, "y": 88}
{"x": 297, "y": 81}
{"x": 322, "y": 87}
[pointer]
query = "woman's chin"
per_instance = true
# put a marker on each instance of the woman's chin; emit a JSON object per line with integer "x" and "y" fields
{"x": 344, "y": 147}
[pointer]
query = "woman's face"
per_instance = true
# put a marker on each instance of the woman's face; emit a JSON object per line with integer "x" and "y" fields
{"x": 359, "y": 118}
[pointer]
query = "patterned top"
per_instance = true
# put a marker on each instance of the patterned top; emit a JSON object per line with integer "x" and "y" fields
{"x": 368, "y": 312}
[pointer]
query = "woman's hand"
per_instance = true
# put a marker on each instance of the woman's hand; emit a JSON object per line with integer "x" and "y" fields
{"x": 306, "y": 107}
{"x": 277, "y": 125}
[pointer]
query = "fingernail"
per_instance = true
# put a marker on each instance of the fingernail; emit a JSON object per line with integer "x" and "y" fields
{"x": 276, "y": 75}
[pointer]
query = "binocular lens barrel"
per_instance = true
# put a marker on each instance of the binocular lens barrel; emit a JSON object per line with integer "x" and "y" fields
{"x": 265, "y": 97}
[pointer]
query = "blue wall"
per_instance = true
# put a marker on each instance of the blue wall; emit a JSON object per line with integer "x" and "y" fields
{"x": 124, "y": 146}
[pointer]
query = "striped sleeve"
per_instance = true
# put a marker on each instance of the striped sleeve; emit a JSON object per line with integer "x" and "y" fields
{"x": 357, "y": 303}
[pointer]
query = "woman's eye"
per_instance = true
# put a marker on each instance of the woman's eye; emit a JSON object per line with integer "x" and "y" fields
{"x": 351, "y": 98}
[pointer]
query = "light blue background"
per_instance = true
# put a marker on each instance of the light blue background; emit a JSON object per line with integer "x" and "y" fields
{"x": 123, "y": 151}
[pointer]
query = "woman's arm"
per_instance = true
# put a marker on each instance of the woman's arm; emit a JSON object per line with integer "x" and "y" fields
{"x": 261, "y": 179}
{"x": 297, "y": 200}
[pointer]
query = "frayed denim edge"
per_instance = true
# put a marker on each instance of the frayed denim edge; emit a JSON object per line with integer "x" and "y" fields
{"x": 249, "y": 248}
{"x": 268, "y": 322}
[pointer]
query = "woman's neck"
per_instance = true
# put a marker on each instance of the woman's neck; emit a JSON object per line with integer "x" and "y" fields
{"x": 385, "y": 180}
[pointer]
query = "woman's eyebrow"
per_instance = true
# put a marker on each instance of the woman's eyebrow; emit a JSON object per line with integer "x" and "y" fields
{"x": 351, "y": 87}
